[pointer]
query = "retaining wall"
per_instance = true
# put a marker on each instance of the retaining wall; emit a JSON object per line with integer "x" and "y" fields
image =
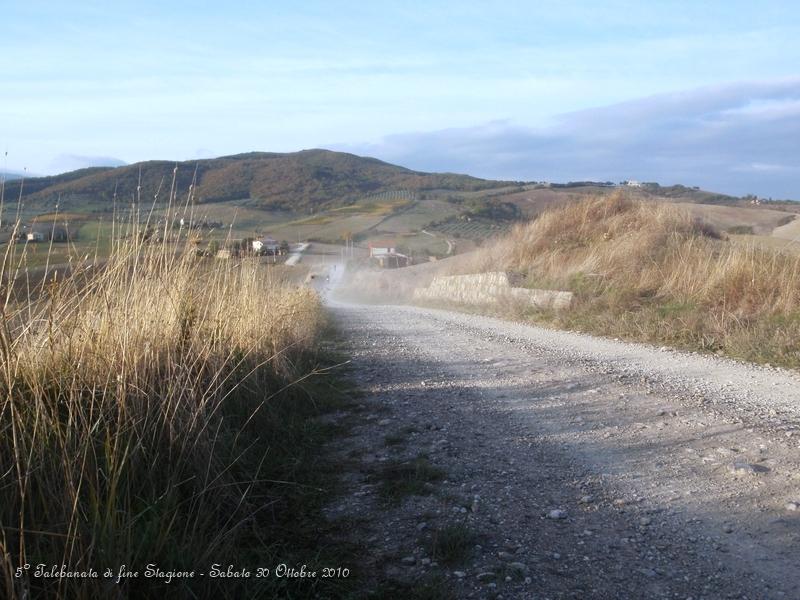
{"x": 489, "y": 288}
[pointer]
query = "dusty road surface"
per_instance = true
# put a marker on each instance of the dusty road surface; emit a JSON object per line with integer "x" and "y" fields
{"x": 569, "y": 466}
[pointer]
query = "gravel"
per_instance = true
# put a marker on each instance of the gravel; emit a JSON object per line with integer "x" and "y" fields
{"x": 605, "y": 469}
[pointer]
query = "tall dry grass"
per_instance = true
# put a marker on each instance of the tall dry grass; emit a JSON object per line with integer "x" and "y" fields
{"x": 648, "y": 271}
{"x": 136, "y": 414}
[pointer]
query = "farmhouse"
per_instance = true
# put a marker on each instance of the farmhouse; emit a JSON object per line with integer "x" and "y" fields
{"x": 46, "y": 233}
{"x": 381, "y": 248}
{"x": 385, "y": 255}
{"x": 266, "y": 245}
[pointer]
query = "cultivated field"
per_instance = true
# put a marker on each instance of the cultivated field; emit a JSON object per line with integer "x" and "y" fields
{"x": 474, "y": 229}
{"x": 418, "y": 216}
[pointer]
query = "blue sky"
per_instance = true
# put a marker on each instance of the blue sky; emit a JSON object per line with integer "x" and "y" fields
{"x": 698, "y": 93}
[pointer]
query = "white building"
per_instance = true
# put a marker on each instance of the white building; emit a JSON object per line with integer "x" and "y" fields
{"x": 266, "y": 245}
{"x": 381, "y": 248}
{"x": 385, "y": 255}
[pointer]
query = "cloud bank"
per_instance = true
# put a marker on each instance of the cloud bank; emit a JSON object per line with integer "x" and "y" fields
{"x": 738, "y": 138}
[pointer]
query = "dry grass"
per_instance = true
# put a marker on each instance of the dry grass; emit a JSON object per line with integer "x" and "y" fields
{"x": 650, "y": 272}
{"x": 137, "y": 418}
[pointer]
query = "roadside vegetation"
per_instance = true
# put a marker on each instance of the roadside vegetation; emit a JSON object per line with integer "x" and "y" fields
{"x": 452, "y": 544}
{"x": 159, "y": 408}
{"x": 649, "y": 272}
{"x": 398, "y": 479}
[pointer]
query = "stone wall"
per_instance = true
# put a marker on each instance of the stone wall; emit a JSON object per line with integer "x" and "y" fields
{"x": 489, "y": 288}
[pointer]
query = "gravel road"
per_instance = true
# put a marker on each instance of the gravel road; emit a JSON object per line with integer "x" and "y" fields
{"x": 585, "y": 467}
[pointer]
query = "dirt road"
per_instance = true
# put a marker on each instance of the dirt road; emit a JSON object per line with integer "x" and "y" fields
{"x": 573, "y": 466}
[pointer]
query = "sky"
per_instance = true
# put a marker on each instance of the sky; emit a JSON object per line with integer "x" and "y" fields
{"x": 698, "y": 93}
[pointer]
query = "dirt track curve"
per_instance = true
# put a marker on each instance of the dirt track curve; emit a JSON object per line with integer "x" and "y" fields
{"x": 586, "y": 467}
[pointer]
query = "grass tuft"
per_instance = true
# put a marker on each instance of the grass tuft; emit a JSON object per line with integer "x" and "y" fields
{"x": 154, "y": 408}
{"x": 452, "y": 544}
{"x": 414, "y": 477}
{"x": 393, "y": 439}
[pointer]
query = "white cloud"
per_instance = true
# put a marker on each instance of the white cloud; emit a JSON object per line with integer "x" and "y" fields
{"x": 766, "y": 167}
{"x": 738, "y": 138}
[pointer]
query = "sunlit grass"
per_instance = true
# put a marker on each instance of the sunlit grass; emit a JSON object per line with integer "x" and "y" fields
{"x": 138, "y": 408}
{"x": 648, "y": 271}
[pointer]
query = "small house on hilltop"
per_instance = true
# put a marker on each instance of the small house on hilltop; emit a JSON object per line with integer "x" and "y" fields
{"x": 45, "y": 232}
{"x": 380, "y": 248}
{"x": 267, "y": 245}
{"x": 386, "y": 256}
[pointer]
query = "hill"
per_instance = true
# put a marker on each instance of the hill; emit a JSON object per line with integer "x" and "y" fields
{"x": 33, "y": 185}
{"x": 326, "y": 196}
{"x": 10, "y": 175}
{"x": 300, "y": 181}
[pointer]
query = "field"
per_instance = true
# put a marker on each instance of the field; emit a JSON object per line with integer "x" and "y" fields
{"x": 418, "y": 216}
{"x": 328, "y": 229}
{"x": 474, "y": 229}
{"x": 244, "y": 218}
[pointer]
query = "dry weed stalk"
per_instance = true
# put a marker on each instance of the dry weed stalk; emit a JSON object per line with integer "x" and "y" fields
{"x": 125, "y": 388}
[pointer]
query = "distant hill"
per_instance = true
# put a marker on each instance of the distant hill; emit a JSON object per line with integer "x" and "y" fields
{"x": 690, "y": 194}
{"x": 10, "y": 175}
{"x": 33, "y": 185}
{"x": 310, "y": 179}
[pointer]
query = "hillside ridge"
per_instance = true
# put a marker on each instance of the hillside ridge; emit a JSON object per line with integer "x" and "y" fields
{"x": 306, "y": 180}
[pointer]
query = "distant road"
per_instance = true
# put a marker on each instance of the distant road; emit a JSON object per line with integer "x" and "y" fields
{"x": 449, "y": 243}
{"x": 296, "y": 254}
